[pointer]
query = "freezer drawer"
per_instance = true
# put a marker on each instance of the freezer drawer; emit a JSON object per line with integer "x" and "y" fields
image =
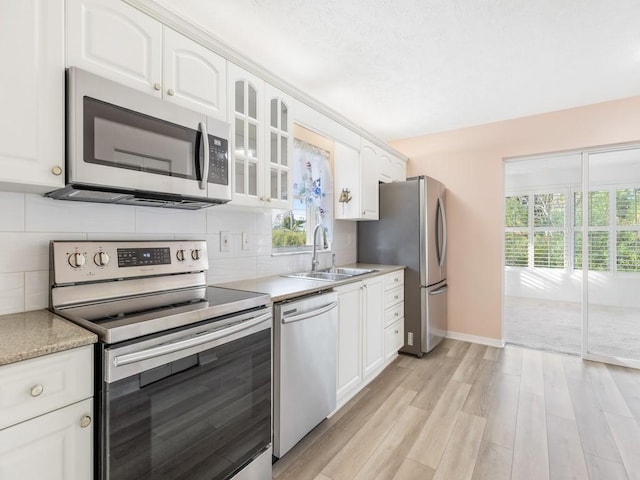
{"x": 434, "y": 301}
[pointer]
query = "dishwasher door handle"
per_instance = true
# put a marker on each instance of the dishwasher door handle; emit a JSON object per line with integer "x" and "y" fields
{"x": 312, "y": 313}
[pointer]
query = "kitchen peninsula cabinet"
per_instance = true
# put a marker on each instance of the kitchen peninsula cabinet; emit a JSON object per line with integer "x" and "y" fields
{"x": 116, "y": 41}
{"x": 262, "y": 133}
{"x": 46, "y": 424}
{"x": 32, "y": 95}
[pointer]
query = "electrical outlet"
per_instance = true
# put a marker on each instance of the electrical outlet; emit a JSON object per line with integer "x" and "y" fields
{"x": 410, "y": 339}
{"x": 225, "y": 241}
{"x": 246, "y": 241}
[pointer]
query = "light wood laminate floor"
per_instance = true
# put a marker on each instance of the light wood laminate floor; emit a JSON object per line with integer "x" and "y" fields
{"x": 467, "y": 411}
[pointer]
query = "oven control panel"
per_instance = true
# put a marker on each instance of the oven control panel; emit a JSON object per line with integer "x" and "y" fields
{"x": 88, "y": 261}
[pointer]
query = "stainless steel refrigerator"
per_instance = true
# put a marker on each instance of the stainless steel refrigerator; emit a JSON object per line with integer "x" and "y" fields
{"x": 412, "y": 231}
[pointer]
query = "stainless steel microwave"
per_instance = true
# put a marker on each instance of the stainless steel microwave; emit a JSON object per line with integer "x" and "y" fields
{"x": 128, "y": 147}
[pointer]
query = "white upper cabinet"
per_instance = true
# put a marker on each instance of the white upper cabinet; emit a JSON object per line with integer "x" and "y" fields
{"x": 32, "y": 95}
{"x": 262, "y": 146}
{"x": 116, "y": 41}
{"x": 194, "y": 76}
{"x": 356, "y": 182}
{"x": 369, "y": 168}
{"x": 279, "y": 148}
{"x": 246, "y": 116}
{"x": 391, "y": 168}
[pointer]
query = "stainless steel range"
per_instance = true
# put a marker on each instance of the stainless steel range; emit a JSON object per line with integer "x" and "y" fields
{"x": 183, "y": 370}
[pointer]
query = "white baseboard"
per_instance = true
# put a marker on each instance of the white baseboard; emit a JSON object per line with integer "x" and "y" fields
{"x": 465, "y": 337}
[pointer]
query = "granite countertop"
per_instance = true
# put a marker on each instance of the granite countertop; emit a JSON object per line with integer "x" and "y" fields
{"x": 285, "y": 288}
{"x": 33, "y": 334}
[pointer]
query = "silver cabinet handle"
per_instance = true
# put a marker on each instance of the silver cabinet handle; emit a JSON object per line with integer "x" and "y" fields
{"x": 85, "y": 421}
{"x": 313, "y": 313}
{"x": 396, "y": 314}
{"x": 395, "y": 297}
{"x": 134, "y": 357}
{"x": 37, "y": 390}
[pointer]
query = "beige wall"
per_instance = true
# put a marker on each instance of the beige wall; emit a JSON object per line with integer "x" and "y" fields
{"x": 469, "y": 162}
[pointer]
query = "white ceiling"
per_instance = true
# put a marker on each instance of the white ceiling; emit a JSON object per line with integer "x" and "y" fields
{"x": 409, "y": 67}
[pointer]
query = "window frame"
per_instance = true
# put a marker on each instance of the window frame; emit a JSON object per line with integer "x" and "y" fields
{"x": 570, "y": 229}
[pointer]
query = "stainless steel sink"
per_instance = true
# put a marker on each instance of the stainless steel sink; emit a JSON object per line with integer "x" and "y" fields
{"x": 331, "y": 274}
{"x": 351, "y": 272}
{"x": 322, "y": 276}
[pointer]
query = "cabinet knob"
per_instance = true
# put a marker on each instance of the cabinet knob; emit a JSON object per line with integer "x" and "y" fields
{"x": 157, "y": 86}
{"x": 395, "y": 297}
{"x": 86, "y": 420}
{"x": 57, "y": 170}
{"x": 171, "y": 91}
{"x": 396, "y": 332}
{"x": 37, "y": 390}
{"x": 396, "y": 279}
{"x": 396, "y": 314}
{"x": 364, "y": 212}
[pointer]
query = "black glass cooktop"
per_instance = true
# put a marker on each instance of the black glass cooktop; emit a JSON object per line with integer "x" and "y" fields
{"x": 130, "y": 317}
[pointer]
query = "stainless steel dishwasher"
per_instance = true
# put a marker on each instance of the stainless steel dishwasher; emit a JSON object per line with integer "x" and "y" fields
{"x": 305, "y": 338}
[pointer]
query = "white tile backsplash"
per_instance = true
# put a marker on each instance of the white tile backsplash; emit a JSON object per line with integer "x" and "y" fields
{"x": 11, "y": 293}
{"x": 11, "y": 212}
{"x": 159, "y": 220}
{"x": 44, "y": 214}
{"x": 28, "y": 222}
{"x": 36, "y": 290}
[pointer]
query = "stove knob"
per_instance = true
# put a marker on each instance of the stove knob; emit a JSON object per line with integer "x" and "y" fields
{"x": 76, "y": 260}
{"x": 101, "y": 259}
{"x": 195, "y": 254}
{"x": 180, "y": 255}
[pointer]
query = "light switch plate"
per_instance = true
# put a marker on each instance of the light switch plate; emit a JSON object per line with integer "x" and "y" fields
{"x": 225, "y": 241}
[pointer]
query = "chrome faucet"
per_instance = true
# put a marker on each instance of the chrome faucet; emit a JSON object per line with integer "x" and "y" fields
{"x": 314, "y": 258}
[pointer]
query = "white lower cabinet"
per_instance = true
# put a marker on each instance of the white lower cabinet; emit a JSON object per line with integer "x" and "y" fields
{"x": 364, "y": 346}
{"x": 55, "y": 446}
{"x": 46, "y": 417}
{"x": 373, "y": 324}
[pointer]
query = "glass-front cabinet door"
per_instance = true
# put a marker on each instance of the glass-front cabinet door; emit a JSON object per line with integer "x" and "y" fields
{"x": 246, "y": 118}
{"x": 279, "y": 138}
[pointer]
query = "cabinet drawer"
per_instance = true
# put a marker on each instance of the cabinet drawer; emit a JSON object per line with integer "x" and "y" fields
{"x": 393, "y": 297}
{"x": 393, "y": 280}
{"x": 393, "y": 314}
{"x": 39, "y": 385}
{"x": 393, "y": 338}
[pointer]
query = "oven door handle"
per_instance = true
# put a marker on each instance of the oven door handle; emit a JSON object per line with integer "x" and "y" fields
{"x": 165, "y": 349}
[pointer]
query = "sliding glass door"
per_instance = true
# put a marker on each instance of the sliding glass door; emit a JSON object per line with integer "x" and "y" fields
{"x": 611, "y": 235}
{"x": 572, "y": 253}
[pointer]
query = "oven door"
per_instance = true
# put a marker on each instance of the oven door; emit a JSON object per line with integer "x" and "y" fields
{"x": 122, "y": 138}
{"x": 192, "y": 404}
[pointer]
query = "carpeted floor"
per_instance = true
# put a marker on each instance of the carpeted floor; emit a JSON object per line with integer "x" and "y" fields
{"x": 557, "y": 326}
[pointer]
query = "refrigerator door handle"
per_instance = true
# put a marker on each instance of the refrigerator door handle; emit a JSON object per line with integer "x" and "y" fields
{"x": 441, "y": 249}
{"x": 440, "y": 290}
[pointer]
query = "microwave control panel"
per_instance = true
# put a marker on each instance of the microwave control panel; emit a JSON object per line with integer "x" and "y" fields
{"x": 218, "y": 160}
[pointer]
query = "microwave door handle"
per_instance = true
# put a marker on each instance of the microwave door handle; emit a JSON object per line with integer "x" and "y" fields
{"x": 204, "y": 158}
